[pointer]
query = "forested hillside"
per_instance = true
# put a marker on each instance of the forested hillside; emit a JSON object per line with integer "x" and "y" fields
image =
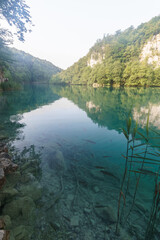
{"x": 19, "y": 67}
{"x": 127, "y": 58}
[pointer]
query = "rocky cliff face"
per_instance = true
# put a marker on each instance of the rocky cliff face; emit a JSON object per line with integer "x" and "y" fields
{"x": 151, "y": 51}
{"x": 2, "y": 79}
{"x": 95, "y": 59}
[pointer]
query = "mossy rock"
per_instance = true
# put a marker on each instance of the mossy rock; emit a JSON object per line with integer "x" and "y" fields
{"x": 7, "y": 221}
{"x": 13, "y": 179}
{"x": 33, "y": 190}
{"x": 20, "y": 207}
{"x": 22, "y": 232}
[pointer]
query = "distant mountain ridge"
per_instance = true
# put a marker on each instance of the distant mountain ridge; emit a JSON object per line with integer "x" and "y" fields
{"x": 21, "y": 67}
{"x": 127, "y": 58}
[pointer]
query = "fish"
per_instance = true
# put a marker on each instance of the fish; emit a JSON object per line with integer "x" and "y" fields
{"x": 100, "y": 206}
{"x": 108, "y": 173}
{"x": 99, "y": 167}
{"x": 90, "y": 141}
{"x": 54, "y": 226}
{"x": 66, "y": 218}
{"x": 148, "y": 172}
{"x": 59, "y": 144}
{"x": 106, "y": 156}
{"x": 92, "y": 155}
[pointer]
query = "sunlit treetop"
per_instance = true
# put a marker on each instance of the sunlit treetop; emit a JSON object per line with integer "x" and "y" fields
{"x": 17, "y": 14}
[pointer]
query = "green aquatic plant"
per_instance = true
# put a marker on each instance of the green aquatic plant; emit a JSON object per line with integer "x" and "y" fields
{"x": 126, "y": 134}
{"x": 154, "y": 210}
{"x": 140, "y": 154}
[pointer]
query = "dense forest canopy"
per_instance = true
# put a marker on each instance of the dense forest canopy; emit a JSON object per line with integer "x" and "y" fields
{"x": 115, "y": 60}
{"x": 20, "y": 67}
{"x": 16, "y": 66}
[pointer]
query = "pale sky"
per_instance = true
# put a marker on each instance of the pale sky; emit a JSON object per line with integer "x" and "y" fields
{"x": 65, "y": 30}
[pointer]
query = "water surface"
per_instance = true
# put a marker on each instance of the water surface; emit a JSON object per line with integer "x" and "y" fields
{"x": 68, "y": 143}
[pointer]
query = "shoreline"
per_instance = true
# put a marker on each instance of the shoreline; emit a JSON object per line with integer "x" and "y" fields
{"x": 6, "y": 167}
{"x": 97, "y": 85}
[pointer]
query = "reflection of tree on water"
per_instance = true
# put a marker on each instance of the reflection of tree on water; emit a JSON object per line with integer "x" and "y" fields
{"x": 14, "y": 104}
{"x": 110, "y": 107}
{"x": 72, "y": 190}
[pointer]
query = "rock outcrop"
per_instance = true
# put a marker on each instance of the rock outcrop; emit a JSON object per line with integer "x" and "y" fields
{"x": 2, "y": 78}
{"x": 95, "y": 58}
{"x": 151, "y": 51}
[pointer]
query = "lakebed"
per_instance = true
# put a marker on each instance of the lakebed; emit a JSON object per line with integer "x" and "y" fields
{"x": 68, "y": 145}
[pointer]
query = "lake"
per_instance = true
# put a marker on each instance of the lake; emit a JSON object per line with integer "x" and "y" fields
{"x": 68, "y": 143}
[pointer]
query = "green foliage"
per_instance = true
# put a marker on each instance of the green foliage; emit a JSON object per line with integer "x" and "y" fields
{"x": 10, "y": 85}
{"x": 111, "y": 105}
{"x": 15, "y": 13}
{"x": 117, "y": 59}
{"x": 20, "y": 67}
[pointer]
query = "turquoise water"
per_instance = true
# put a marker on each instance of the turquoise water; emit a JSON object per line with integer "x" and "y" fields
{"x": 68, "y": 144}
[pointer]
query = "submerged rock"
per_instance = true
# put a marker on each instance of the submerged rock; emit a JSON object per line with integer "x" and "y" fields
{"x": 124, "y": 235}
{"x": 87, "y": 210}
{"x": 28, "y": 177}
{"x": 13, "y": 179}
{"x": 56, "y": 226}
{"x": 96, "y": 189}
{"x": 12, "y": 209}
{"x": 7, "y": 222}
{"x": 75, "y": 221}
{"x": 4, "y": 155}
{"x": 88, "y": 235}
{"x": 4, "y": 235}
{"x": 6, "y": 165}
{"x": 2, "y": 177}
{"x": 10, "y": 192}
{"x": 22, "y": 233}
{"x": 11, "y": 236}
{"x": 22, "y": 206}
{"x": 56, "y": 161}
{"x": 108, "y": 214}
{"x": 2, "y": 224}
{"x": 7, "y": 194}
{"x": 33, "y": 190}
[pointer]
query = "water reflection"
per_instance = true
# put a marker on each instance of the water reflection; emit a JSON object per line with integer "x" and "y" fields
{"x": 68, "y": 144}
{"x": 110, "y": 107}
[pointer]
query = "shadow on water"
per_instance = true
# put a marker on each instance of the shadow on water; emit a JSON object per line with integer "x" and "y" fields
{"x": 68, "y": 144}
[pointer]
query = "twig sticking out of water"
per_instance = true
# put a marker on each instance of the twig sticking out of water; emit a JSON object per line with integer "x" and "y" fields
{"x": 143, "y": 158}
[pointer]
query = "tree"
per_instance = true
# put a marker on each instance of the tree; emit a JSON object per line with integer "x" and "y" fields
{"x": 5, "y": 37}
{"x": 16, "y": 13}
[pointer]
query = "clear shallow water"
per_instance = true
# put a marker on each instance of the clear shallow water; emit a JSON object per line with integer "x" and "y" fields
{"x": 68, "y": 144}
